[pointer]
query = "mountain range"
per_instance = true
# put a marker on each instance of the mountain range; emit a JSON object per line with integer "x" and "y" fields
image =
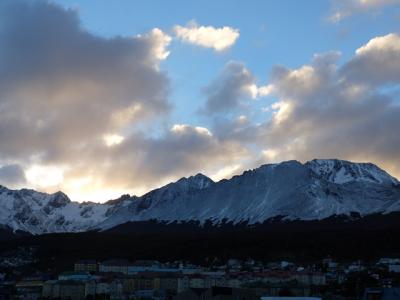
{"x": 315, "y": 190}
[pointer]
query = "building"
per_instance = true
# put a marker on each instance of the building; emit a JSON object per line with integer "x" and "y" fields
{"x": 29, "y": 289}
{"x": 290, "y": 298}
{"x": 64, "y": 289}
{"x": 381, "y": 294}
{"x": 115, "y": 266}
{"x": 394, "y": 268}
{"x": 217, "y": 293}
{"x": 86, "y": 266}
{"x": 103, "y": 288}
{"x": 143, "y": 266}
{"x": 75, "y": 276}
{"x": 389, "y": 261}
{"x": 168, "y": 282}
{"x": 310, "y": 278}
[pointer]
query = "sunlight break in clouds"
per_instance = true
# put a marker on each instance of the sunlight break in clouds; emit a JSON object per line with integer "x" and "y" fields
{"x": 219, "y": 39}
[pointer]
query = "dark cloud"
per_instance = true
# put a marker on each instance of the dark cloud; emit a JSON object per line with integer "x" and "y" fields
{"x": 12, "y": 175}
{"x": 62, "y": 87}
{"x": 83, "y": 106}
{"x": 63, "y": 90}
{"x": 227, "y": 92}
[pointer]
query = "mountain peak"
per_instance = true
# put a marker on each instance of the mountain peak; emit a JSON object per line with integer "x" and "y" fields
{"x": 198, "y": 181}
{"x": 58, "y": 199}
{"x": 343, "y": 171}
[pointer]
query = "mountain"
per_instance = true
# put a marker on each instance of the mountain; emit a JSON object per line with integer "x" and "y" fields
{"x": 312, "y": 191}
{"x": 34, "y": 212}
{"x": 290, "y": 190}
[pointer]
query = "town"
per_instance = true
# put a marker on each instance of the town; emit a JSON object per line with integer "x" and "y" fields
{"x": 234, "y": 279}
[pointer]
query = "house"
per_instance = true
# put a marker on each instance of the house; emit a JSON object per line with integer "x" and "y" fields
{"x": 395, "y": 268}
{"x": 90, "y": 288}
{"x": 75, "y": 276}
{"x": 112, "y": 288}
{"x": 310, "y": 278}
{"x": 381, "y": 294}
{"x": 277, "y": 276}
{"x": 150, "y": 294}
{"x": 168, "y": 282}
{"x": 103, "y": 288}
{"x": 116, "y": 289}
{"x": 64, "y": 289}
{"x": 143, "y": 266}
{"x": 389, "y": 261}
{"x": 290, "y": 298}
{"x": 86, "y": 266}
{"x": 217, "y": 293}
{"x": 190, "y": 294}
{"x": 115, "y": 266}
{"x": 29, "y": 289}
{"x": 5, "y": 292}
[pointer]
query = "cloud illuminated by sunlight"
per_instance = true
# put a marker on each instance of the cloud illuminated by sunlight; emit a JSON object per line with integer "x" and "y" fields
{"x": 112, "y": 139}
{"x": 44, "y": 176}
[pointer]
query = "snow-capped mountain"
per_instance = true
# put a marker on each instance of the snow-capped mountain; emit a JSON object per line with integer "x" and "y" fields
{"x": 314, "y": 190}
{"x": 317, "y": 189}
{"x": 340, "y": 171}
{"x": 37, "y": 213}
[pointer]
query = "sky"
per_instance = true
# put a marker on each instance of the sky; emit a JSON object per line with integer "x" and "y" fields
{"x": 103, "y": 98}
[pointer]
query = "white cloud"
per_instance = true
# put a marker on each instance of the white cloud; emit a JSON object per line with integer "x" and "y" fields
{"x": 328, "y": 111}
{"x": 113, "y": 139}
{"x": 184, "y": 129}
{"x": 161, "y": 41}
{"x": 345, "y": 8}
{"x": 41, "y": 176}
{"x": 265, "y": 90}
{"x": 389, "y": 42}
{"x": 219, "y": 39}
{"x": 226, "y": 172}
{"x": 376, "y": 62}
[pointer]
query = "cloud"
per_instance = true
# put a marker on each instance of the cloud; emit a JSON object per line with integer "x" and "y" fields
{"x": 345, "y": 8}
{"x": 377, "y": 62}
{"x": 63, "y": 89}
{"x": 89, "y": 115}
{"x": 219, "y": 39}
{"x": 231, "y": 88}
{"x": 140, "y": 162}
{"x": 12, "y": 175}
{"x": 79, "y": 111}
{"x": 326, "y": 111}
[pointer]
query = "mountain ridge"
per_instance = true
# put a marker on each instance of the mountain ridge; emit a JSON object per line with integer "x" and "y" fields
{"x": 315, "y": 190}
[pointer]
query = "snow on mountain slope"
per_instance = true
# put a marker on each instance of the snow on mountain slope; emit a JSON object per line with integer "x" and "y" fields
{"x": 159, "y": 199}
{"x": 37, "y": 213}
{"x": 314, "y": 190}
{"x": 341, "y": 171}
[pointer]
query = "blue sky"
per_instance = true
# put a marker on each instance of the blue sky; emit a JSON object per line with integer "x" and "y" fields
{"x": 100, "y": 98}
{"x": 282, "y": 32}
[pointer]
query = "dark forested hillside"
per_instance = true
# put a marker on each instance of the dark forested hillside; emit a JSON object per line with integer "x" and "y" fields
{"x": 343, "y": 238}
